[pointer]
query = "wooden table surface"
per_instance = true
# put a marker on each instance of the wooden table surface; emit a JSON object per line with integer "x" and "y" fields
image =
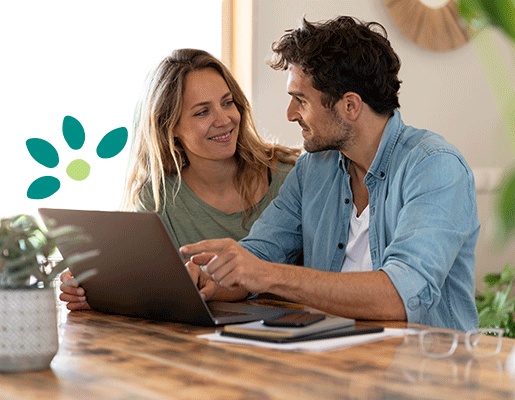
{"x": 115, "y": 357}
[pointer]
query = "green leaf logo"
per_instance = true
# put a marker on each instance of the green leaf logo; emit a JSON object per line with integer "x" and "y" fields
{"x": 45, "y": 154}
{"x": 112, "y": 143}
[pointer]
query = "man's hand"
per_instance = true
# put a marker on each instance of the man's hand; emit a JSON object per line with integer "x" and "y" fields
{"x": 229, "y": 264}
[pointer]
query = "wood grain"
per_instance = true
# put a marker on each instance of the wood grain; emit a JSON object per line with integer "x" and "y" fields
{"x": 115, "y": 357}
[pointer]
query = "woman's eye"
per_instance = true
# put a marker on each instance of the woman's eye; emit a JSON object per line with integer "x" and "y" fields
{"x": 201, "y": 113}
{"x": 229, "y": 102}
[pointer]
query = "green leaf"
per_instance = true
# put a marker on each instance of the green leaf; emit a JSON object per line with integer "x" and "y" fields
{"x": 506, "y": 204}
{"x": 43, "y": 187}
{"x": 492, "y": 279}
{"x": 73, "y": 132}
{"x": 43, "y": 152}
{"x": 112, "y": 143}
{"x": 501, "y": 13}
{"x": 507, "y": 275}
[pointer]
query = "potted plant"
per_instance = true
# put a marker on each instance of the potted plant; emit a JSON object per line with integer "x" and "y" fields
{"x": 28, "y": 314}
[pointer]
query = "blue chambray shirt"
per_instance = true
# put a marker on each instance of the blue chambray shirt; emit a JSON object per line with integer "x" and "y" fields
{"x": 423, "y": 221}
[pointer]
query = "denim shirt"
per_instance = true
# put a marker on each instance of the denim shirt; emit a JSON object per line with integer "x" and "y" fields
{"x": 423, "y": 221}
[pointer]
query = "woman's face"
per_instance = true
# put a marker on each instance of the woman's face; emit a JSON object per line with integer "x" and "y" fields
{"x": 209, "y": 122}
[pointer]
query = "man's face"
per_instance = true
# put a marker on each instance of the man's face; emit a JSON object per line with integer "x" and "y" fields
{"x": 322, "y": 128}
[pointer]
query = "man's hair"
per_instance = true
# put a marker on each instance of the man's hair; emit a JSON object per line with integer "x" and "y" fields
{"x": 343, "y": 55}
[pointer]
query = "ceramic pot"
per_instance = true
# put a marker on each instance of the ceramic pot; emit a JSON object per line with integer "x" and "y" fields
{"x": 28, "y": 329}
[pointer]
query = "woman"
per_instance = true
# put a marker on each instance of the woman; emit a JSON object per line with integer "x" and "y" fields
{"x": 196, "y": 157}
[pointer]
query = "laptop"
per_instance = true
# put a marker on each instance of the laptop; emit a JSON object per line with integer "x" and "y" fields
{"x": 140, "y": 272}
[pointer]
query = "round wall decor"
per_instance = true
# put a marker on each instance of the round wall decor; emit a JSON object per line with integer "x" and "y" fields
{"x": 432, "y": 24}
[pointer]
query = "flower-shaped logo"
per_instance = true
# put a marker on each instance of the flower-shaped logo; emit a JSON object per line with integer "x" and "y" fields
{"x": 44, "y": 153}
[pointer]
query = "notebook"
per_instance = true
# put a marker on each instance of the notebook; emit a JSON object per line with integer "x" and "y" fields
{"x": 258, "y": 330}
{"x": 350, "y": 330}
{"x": 140, "y": 272}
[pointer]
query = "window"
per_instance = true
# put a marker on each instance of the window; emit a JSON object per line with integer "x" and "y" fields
{"x": 87, "y": 60}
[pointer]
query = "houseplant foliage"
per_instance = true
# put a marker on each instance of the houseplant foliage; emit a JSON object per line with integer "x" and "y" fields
{"x": 25, "y": 248}
{"x": 28, "y": 317}
{"x": 501, "y": 15}
{"x": 496, "y": 305}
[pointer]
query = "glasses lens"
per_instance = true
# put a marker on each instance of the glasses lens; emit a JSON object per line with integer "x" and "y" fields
{"x": 438, "y": 344}
{"x": 484, "y": 342}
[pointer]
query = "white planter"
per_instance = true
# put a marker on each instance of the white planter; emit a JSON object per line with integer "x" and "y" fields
{"x": 28, "y": 329}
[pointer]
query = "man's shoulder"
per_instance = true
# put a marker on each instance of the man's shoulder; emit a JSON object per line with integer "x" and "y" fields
{"x": 424, "y": 139}
{"x": 425, "y": 142}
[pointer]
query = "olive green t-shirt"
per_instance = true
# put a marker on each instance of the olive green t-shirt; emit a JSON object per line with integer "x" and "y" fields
{"x": 190, "y": 220}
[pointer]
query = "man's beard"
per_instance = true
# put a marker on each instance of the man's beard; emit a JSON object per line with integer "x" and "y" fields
{"x": 341, "y": 136}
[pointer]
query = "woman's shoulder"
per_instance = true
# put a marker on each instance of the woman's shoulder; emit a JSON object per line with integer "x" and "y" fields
{"x": 283, "y": 168}
{"x": 146, "y": 200}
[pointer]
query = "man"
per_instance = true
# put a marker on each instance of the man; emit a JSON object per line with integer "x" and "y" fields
{"x": 385, "y": 214}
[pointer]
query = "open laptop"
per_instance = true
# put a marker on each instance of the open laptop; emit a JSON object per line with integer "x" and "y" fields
{"x": 141, "y": 273}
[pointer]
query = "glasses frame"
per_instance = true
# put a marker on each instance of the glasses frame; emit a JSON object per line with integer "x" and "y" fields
{"x": 468, "y": 341}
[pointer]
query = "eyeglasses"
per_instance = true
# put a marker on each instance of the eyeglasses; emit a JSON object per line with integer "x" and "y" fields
{"x": 482, "y": 342}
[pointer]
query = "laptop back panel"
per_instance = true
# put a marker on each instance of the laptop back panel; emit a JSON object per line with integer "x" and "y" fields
{"x": 141, "y": 273}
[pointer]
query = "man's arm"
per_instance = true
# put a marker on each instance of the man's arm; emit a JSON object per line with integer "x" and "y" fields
{"x": 360, "y": 295}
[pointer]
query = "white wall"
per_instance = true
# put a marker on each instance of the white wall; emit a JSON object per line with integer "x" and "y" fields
{"x": 447, "y": 92}
{"x": 88, "y": 60}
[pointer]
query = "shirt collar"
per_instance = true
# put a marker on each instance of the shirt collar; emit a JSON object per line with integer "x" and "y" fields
{"x": 391, "y": 134}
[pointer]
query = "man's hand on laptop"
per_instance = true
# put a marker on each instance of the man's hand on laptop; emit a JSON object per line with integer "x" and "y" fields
{"x": 230, "y": 265}
{"x": 72, "y": 293}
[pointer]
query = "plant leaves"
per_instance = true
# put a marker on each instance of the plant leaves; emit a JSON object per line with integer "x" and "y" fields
{"x": 506, "y": 205}
{"x": 501, "y": 13}
{"x": 73, "y": 132}
{"x": 492, "y": 279}
{"x": 507, "y": 275}
{"x": 112, "y": 143}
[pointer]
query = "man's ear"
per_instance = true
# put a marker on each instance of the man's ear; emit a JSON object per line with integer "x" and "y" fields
{"x": 351, "y": 104}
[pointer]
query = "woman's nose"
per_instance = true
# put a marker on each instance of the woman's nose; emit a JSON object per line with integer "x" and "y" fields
{"x": 222, "y": 118}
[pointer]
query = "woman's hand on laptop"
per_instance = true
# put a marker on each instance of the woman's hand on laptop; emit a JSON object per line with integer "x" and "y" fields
{"x": 205, "y": 283}
{"x": 209, "y": 289}
{"x": 72, "y": 293}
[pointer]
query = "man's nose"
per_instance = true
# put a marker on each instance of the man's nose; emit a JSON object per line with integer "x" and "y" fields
{"x": 291, "y": 112}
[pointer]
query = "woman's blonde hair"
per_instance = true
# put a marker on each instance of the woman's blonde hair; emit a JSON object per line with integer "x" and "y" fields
{"x": 156, "y": 153}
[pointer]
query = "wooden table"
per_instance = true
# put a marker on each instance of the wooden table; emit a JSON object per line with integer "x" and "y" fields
{"x": 115, "y": 357}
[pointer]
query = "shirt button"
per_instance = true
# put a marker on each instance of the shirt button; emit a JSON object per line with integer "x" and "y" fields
{"x": 347, "y": 201}
{"x": 340, "y": 246}
{"x": 382, "y": 174}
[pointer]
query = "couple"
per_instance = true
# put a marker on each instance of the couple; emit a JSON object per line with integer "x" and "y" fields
{"x": 383, "y": 214}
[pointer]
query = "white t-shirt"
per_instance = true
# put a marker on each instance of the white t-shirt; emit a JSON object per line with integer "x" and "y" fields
{"x": 357, "y": 254}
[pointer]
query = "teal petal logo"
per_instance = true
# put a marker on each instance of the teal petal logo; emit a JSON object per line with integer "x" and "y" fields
{"x": 45, "y": 154}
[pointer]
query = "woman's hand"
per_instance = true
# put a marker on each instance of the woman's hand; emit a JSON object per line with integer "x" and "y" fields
{"x": 72, "y": 293}
{"x": 205, "y": 283}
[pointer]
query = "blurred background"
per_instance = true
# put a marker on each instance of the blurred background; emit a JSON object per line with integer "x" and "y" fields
{"x": 89, "y": 60}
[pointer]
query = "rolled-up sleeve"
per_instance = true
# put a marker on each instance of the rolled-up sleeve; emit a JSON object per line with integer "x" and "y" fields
{"x": 432, "y": 233}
